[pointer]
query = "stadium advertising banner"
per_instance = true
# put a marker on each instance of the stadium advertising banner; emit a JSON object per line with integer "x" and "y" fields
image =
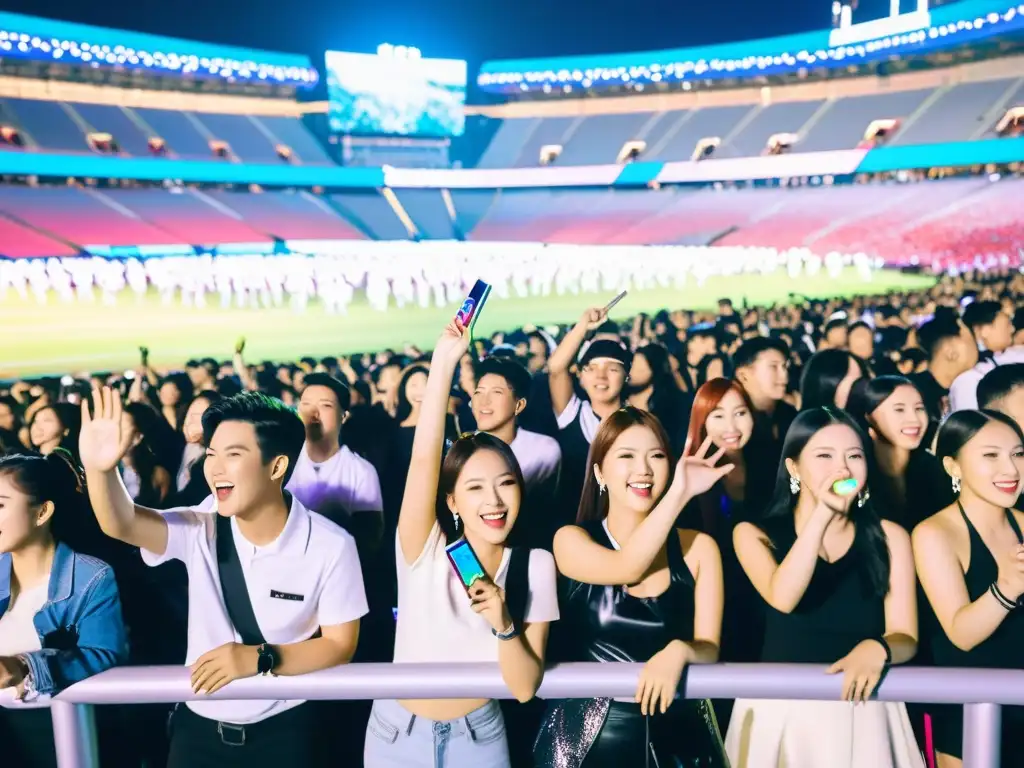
{"x": 389, "y": 95}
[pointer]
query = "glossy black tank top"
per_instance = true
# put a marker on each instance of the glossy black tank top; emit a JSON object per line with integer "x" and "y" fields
{"x": 609, "y": 624}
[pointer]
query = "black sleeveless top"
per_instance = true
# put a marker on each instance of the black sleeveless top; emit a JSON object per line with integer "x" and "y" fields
{"x": 609, "y": 624}
{"x": 839, "y": 609}
{"x": 1002, "y": 650}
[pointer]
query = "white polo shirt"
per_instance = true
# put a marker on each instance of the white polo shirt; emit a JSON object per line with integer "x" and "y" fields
{"x": 539, "y": 456}
{"x": 345, "y": 480}
{"x": 312, "y": 558}
{"x": 963, "y": 392}
{"x": 436, "y": 621}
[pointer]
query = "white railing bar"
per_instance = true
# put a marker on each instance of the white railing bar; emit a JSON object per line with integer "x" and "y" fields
{"x": 142, "y": 685}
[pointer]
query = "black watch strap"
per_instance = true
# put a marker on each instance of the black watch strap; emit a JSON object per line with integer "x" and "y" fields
{"x": 266, "y": 659}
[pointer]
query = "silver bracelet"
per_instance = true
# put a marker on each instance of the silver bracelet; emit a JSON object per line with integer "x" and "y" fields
{"x": 508, "y": 634}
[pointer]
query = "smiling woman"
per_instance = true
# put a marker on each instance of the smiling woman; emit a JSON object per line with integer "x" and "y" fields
{"x": 668, "y": 614}
{"x": 473, "y": 493}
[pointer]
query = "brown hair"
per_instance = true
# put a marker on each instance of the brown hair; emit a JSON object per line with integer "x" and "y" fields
{"x": 593, "y": 503}
{"x": 705, "y": 401}
{"x": 460, "y": 452}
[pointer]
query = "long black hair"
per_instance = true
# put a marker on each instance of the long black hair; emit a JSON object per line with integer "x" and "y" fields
{"x": 57, "y": 479}
{"x": 867, "y": 394}
{"x": 460, "y": 452}
{"x": 823, "y": 374}
{"x": 404, "y": 407}
{"x": 961, "y": 427}
{"x": 870, "y": 542}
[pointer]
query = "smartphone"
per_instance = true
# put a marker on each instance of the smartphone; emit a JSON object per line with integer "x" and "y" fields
{"x": 611, "y": 304}
{"x": 470, "y": 310}
{"x": 465, "y": 563}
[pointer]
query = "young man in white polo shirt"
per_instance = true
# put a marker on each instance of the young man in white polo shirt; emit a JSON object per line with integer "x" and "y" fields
{"x": 499, "y": 399}
{"x": 329, "y": 478}
{"x": 261, "y": 565}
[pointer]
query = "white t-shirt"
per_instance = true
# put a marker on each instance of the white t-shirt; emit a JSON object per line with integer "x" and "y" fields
{"x": 306, "y": 578}
{"x": 539, "y": 456}
{"x": 345, "y": 480}
{"x": 963, "y": 392}
{"x": 435, "y": 619}
{"x": 17, "y": 628}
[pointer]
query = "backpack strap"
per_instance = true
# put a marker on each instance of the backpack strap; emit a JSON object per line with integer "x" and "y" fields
{"x": 232, "y": 586}
{"x": 517, "y": 585}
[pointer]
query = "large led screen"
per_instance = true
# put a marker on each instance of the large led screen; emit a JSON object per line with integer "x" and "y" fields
{"x": 395, "y": 96}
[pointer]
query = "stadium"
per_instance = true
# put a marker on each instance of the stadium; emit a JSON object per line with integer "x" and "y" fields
{"x": 738, "y": 296}
{"x": 114, "y": 157}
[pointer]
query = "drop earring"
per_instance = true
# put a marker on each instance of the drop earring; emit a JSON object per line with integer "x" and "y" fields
{"x": 455, "y": 517}
{"x": 600, "y": 488}
{"x": 794, "y": 485}
{"x": 956, "y": 484}
{"x": 862, "y": 499}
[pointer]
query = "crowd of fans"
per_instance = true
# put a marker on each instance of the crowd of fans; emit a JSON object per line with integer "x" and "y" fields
{"x": 661, "y": 491}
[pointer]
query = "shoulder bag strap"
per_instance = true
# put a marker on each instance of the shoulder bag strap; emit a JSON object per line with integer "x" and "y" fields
{"x": 517, "y": 585}
{"x": 232, "y": 585}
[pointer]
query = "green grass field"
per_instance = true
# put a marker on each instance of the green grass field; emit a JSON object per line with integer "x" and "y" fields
{"x": 58, "y": 338}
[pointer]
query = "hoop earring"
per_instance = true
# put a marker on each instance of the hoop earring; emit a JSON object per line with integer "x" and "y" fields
{"x": 794, "y": 485}
{"x": 863, "y": 498}
{"x": 956, "y": 485}
{"x": 455, "y": 517}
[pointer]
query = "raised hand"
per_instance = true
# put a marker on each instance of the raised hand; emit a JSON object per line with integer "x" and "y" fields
{"x": 453, "y": 344}
{"x": 1011, "y": 573}
{"x": 697, "y": 474}
{"x": 593, "y": 319}
{"x": 104, "y": 440}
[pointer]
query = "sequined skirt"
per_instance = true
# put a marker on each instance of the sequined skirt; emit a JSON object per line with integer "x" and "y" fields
{"x": 600, "y": 733}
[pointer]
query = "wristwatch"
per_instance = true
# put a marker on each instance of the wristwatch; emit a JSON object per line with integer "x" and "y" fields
{"x": 266, "y": 660}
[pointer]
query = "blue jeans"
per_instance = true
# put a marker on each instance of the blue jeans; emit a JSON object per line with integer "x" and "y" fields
{"x": 396, "y": 738}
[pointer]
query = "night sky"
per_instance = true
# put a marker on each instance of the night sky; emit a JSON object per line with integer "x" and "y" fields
{"x": 471, "y": 29}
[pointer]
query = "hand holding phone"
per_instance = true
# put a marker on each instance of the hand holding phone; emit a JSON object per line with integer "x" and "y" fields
{"x": 470, "y": 310}
{"x": 465, "y": 563}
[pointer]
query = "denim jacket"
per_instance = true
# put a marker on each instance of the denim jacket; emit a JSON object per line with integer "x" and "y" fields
{"x": 80, "y": 625}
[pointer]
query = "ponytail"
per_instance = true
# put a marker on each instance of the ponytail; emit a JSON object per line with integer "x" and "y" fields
{"x": 55, "y": 478}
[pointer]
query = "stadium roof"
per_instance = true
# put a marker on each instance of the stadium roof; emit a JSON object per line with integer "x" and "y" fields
{"x": 38, "y": 39}
{"x": 910, "y": 34}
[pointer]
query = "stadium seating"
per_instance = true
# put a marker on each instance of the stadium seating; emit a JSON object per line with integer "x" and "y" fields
{"x": 81, "y": 216}
{"x": 47, "y": 125}
{"x": 471, "y": 205}
{"x": 429, "y": 212}
{"x": 189, "y": 216}
{"x": 292, "y": 133}
{"x": 249, "y": 141}
{"x": 751, "y": 139}
{"x": 18, "y": 240}
{"x": 843, "y": 124}
{"x": 965, "y": 111}
{"x": 599, "y": 139}
{"x": 130, "y": 136}
{"x": 372, "y": 213}
{"x": 289, "y": 215}
{"x": 184, "y": 137}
